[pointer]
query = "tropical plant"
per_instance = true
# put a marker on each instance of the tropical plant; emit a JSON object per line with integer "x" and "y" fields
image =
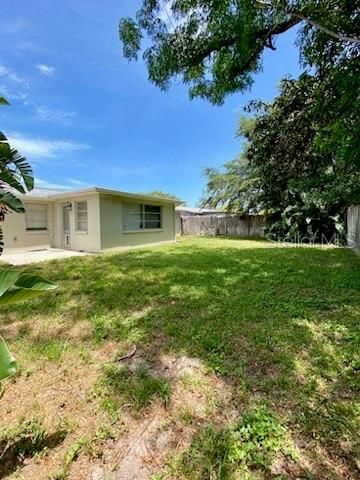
{"x": 15, "y": 287}
{"x": 15, "y": 176}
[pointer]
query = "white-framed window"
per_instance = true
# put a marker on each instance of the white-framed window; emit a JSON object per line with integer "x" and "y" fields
{"x": 140, "y": 216}
{"x": 81, "y": 216}
{"x": 36, "y": 216}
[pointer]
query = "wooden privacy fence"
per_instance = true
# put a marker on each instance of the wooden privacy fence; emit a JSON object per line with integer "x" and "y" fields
{"x": 353, "y": 227}
{"x": 228, "y": 225}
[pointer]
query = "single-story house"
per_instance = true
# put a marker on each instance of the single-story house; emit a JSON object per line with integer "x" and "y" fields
{"x": 90, "y": 220}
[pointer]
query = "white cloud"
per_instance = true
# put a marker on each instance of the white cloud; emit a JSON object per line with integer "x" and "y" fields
{"x": 68, "y": 185}
{"x": 40, "y": 148}
{"x": 9, "y": 94}
{"x": 40, "y": 183}
{"x": 46, "y": 69}
{"x": 13, "y": 87}
{"x": 45, "y": 113}
{"x": 77, "y": 183}
{"x": 10, "y": 74}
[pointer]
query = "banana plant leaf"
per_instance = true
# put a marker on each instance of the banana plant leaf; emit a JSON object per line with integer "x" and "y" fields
{"x": 8, "y": 365}
{"x": 18, "y": 286}
{"x": 17, "y": 172}
{"x": 11, "y": 202}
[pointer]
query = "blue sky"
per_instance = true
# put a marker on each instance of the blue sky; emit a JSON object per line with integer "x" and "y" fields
{"x": 84, "y": 116}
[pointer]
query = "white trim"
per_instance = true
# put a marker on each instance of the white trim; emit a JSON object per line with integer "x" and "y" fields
{"x": 105, "y": 191}
{"x": 76, "y": 218}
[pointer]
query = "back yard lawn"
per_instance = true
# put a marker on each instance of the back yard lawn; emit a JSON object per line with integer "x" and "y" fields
{"x": 210, "y": 359}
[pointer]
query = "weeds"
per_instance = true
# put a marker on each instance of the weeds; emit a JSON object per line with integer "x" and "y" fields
{"x": 247, "y": 445}
{"x": 119, "y": 386}
{"x": 26, "y": 439}
{"x": 72, "y": 454}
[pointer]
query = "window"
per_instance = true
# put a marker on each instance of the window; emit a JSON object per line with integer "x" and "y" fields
{"x": 36, "y": 216}
{"x": 81, "y": 217}
{"x": 138, "y": 216}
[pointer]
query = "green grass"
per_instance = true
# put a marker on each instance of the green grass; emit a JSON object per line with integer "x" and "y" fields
{"x": 119, "y": 386}
{"x": 236, "y": 451}
{"x": 279, "y": 326}
{"x": 25, "y": 439}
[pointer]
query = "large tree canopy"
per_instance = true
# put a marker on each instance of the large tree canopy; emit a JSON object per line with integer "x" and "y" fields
{"x": 216, "y": 46}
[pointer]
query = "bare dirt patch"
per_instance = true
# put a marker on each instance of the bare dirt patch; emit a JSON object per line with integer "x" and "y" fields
{"x": 142, "y": 449}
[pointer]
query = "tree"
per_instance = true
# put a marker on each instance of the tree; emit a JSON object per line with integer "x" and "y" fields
{"x": 216, "y": 46}
{"x": 237, "y": 187}
{"x": 303, "y": 182}
{"x": 160, "y": 194}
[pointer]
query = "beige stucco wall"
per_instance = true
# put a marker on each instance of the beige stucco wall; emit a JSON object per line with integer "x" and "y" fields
{"x": 112, "y": 234}
{"x": 16, "y": 235}
{"x": 86, "y": 241}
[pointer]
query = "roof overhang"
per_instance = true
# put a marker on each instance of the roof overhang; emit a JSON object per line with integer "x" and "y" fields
{"x": 103, "y": 191}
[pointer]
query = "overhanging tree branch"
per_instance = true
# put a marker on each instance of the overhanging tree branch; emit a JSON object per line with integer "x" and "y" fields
{"x": 263, "y": 39}
{"x": 337, "y": 36}
{"x": 302, "y": 17}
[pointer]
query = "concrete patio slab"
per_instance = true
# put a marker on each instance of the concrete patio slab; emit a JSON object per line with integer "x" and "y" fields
{"x": 34, "y": 255}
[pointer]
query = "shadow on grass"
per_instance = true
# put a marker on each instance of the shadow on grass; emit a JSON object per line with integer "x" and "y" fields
{"x": 14, "y": 452}
{"x": 280, "y": 326}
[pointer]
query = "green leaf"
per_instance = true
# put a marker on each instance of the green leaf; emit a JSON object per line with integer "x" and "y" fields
{"x": 11, "y": 202}
{"x": 8, "y": 365}
{"x": 16, "y": 287}
{"x": 12, "y": 164}
{"x": 3, "y": 101}
{"x": 11, "y": 179}
{"x": 7, "y": 280}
